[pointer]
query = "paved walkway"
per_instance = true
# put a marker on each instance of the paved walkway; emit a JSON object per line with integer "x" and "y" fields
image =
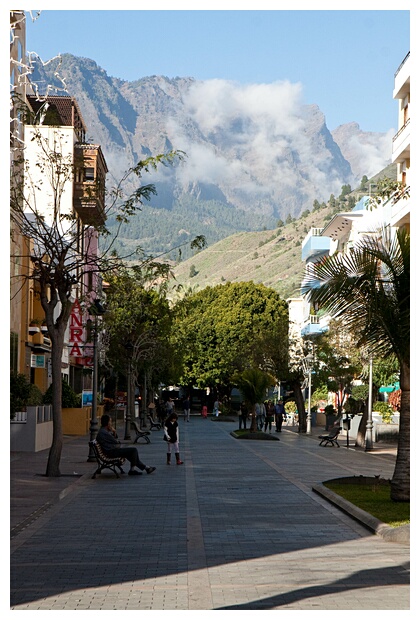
{"x": 236, "y": 527}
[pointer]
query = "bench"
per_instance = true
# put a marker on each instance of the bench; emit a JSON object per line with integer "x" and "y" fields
{"x": 331, "y": 438}
{"x": 106, "y": 462}
{"x": 156, "y": 425}
{"x": 139, "y": 433}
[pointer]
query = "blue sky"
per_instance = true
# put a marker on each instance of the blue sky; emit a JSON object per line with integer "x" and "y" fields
{"x": 344, "y": 60}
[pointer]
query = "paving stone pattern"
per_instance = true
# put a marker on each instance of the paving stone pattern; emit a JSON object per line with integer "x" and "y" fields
{"x": 236, "y": 527}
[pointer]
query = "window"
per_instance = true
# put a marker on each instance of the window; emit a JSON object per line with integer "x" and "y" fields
{"x": 89, "y": 174}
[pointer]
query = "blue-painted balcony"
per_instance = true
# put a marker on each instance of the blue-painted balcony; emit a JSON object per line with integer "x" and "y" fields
{"x": 312, "y": 327}
{"x": 315, "y": 244}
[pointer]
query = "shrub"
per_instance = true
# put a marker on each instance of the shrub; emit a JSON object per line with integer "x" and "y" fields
{"x": 69, "y": 397}
{"x": 394, "y": 400}
{"x": 35, "y": 396}
{"x": 329, "y": 410}
{"x": 20, "y": 390}
{"x": 384, "y": 409}
{"x": 290, "y": 406}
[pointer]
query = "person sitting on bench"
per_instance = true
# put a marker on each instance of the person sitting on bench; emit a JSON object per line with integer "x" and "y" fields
{"x": 107, "y": 439}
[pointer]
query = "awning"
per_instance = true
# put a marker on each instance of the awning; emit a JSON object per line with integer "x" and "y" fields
{"x": 390, "y": 388}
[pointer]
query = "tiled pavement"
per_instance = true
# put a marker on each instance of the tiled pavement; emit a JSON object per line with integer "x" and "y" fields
{"x": 237, "y": 527}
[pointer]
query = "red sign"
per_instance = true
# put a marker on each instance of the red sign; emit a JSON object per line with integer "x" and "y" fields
{"x": 83, "y": 356}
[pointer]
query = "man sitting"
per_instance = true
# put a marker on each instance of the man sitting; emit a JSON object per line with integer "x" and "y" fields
{"x": 107, "y": 439}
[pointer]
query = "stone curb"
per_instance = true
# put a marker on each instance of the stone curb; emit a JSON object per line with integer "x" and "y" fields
{"x": 390, "y": 534}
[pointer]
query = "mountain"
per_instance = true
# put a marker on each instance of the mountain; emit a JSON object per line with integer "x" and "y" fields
{"x": 270, "y": 257}
{"x": 254, "y": 153}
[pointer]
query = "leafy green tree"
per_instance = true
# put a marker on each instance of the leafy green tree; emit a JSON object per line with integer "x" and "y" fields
{"x": 364, "y": 182}
{"x": 137, "y": 323}
{"x": 345, "y": 190}
{"x": 218, "y": 331}
{"x": 253, "y": 384}
{"x": 385, "y": 189}
{"x": 370, "y": 289}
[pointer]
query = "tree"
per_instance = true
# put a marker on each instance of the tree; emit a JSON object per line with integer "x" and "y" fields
{"x": 345, "y": 190}
{"x": 219, "y": 330}
{"x": 364, "y": 182}
{"x": 60, "y": 248}
{"x": 253, "y": 384}
{"x": 337, "y": 362}
{"x": 385, "y": 189}
{"x": 370, "y": 289}
{"x": 137, "y": 324}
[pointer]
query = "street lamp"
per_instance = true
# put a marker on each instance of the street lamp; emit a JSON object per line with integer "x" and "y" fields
{"x": 96, "y": 310}
{"x": 307, "y": 369}
{"x": 129, "y": 347}
{"x": 369, "y": 424}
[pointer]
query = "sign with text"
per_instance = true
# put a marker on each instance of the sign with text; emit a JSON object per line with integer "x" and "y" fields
{"x": 37, "y": 361}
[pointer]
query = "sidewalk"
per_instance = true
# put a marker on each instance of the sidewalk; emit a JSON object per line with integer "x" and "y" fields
{"x": 238, "y": 526}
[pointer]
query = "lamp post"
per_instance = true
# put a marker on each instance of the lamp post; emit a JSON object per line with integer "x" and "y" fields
{"x": 96, "y": 310}
{"x": 129, "y": 347}
{"x": 309, "y": 360}
{"x": 369, "y": 424}
{"x": 307, "y": 364}
{"x": 93, "y": 327}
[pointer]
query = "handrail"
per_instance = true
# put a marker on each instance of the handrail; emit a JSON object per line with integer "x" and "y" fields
{"x": 403, "y": 62}
{"x": 407, "y": 122}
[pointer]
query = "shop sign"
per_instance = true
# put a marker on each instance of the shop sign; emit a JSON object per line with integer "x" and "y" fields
{"x": 37, "y": 361}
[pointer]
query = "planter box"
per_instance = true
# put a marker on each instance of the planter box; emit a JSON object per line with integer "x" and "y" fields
{"x": 387, "y": 432}
{"x": 76, "y": 421}
{"x": 33, "y": 431}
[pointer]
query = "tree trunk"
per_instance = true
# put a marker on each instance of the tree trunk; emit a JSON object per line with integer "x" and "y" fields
{"x": 54, "y": 456}
{"x": 361, "y": 433}
{"x": 300, "y": 403}
{"x": 400, "y": 483}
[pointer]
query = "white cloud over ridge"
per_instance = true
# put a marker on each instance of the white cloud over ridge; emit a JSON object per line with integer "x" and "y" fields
{"x": 262, "y": 140}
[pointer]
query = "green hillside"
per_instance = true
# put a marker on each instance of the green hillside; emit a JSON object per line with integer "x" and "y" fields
{"x": 270, "y": 257}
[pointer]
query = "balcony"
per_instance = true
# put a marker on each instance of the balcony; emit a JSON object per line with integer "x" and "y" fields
{"x": 400, "y": 209}
{"x": 402, "y": 79}
{"x": 89, "y": 184}
{"x": 312, "y": 327}
{"x": 401, "y": 144}
{"x": 315, "y": 244}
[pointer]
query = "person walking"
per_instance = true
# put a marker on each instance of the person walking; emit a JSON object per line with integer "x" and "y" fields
{"x": 186, "y": 405}
{"x": 280, "y": 413}
{"x": 171, "y": 434}
{"x": 216, "y": 408}
{"x": 269, "y": 418}
{"x": 243, "y": 414}
{"x": 260, "y": 415}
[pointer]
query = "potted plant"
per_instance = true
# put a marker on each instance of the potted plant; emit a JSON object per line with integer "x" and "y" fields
{"x": 34, "y": 326}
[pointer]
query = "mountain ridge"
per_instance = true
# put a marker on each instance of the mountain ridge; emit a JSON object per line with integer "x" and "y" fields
{"x": 255, "y": 153}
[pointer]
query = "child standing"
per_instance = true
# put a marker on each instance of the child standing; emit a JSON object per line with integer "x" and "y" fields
{"x": 171, "y": 431}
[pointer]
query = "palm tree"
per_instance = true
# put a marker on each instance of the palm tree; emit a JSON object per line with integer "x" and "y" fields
{"x": 253, "y": 384}
{"x": 370, "y": 289}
